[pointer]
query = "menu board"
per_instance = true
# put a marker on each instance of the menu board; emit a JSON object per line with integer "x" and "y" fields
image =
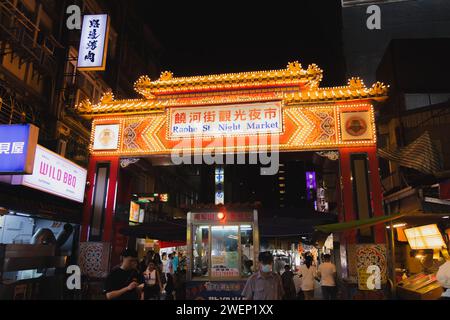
{"x": 225, "y": 265}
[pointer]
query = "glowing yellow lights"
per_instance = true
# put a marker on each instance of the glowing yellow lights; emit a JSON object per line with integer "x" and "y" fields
{"x": 220, "y": 215}
{"x": 310, "y": 115}
{"x": 278, "y": 81}
{"x": 425, "y": 237}
{"x": 293, "y": 75}
{"x": 398, "y": 225}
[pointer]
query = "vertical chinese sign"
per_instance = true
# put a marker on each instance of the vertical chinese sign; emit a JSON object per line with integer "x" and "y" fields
{"x": 93, "y": 43}
{"x": 220, "y": 182}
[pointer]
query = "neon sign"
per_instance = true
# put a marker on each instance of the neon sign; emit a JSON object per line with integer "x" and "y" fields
{"x": 17, "y": 148}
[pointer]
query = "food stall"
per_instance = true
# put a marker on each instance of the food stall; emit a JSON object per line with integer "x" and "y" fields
{"x": 222, "y": 250}
{"x": 426, "y": 242}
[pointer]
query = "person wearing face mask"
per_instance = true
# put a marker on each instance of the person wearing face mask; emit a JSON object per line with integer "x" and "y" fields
{"x": 264, "y": 284}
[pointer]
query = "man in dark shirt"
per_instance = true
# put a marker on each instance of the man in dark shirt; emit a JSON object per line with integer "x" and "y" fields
{"x": 125, "y": 282}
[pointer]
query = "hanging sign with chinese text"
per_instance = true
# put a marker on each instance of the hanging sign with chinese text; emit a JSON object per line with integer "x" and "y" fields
{"x": 220, "y": 185}
{"x": 17, "y": 148}
{"x": 226, "y": 120}
{"x": 93, "y": 43}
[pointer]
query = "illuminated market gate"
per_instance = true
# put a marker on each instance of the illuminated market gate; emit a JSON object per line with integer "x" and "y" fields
{"x": 283, "y": 110}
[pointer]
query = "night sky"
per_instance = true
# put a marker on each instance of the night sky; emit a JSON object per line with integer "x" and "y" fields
{"x": 219, "y": 37}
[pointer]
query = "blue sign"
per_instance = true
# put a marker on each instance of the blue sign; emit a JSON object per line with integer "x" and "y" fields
{"x": 215, "y": 290}
{"x": 17, "y": 148}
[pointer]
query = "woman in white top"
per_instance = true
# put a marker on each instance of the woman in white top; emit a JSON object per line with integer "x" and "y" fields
{"x": 308, "y": 274}
{"x": 165, "y": 264}
{"x": 153, "y": 285}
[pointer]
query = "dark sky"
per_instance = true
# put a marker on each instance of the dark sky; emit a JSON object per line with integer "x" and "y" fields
{"x": 232, "y": 36}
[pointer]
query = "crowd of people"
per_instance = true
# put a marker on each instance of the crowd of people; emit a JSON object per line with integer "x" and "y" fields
{"x": 158, "y": 277}
{"x": 269, "y": 285}
{"x": 155, "y": 277}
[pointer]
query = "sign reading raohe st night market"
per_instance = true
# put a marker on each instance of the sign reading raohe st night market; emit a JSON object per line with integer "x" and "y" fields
{"x": 17, "y": 148}
{"x": 93, "y": 42}
{"x": 226, "y": 120}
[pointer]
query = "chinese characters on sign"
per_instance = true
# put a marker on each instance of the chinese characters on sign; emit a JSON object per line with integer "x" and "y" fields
{"x": 226, "y": 120}
{"x": 12, "y": 148}
{"x": 230, "y": 216}
{"x": 93, "y": 42}
{"x": 17, "y": 148}
{"x": 220, "y": 184}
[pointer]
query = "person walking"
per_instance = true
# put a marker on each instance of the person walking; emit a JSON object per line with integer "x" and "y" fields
{"x": 153, "y": 285}
{"x": 125, "y": 282}
{"x": 308, "y": 274}
{"x": 175, "y": 261}
{"x": 264, "y": 284}
{"x": 170, "y": 287}
{"x": 170, "y": 268}
{"x": 327, "y": 275}
{"x": 287, "y": 279}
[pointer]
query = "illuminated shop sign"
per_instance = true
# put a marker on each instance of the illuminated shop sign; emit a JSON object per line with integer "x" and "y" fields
{"x": 93, "y": 43}
{"x": 55, "y": 175}
{"x": 17, "y": 148}
{"x": 156, "y": 197}
{"x": 229, "y": 216}
{"x": 310, "y": 184}
{"x": 136, "y": 213}
{"x": 220, "y": 184}
{"x": 226, "y": 120}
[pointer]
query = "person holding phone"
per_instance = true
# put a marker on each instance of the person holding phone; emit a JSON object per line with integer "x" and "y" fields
{"x": 125, "y": 282}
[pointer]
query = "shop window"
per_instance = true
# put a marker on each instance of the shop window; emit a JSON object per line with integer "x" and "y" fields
{"x": 224, "y": 251}
{"x": 200, "y": 251}
{"x": 247, "y": 266}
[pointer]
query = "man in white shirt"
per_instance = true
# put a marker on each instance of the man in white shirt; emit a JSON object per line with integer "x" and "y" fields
{"x": 327, "y": 275}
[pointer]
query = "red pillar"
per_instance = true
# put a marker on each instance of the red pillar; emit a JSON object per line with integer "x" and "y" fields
{"x": 347, "y": 190}
{"x": 110, "y": 197}
{"x": 376, "y": 193}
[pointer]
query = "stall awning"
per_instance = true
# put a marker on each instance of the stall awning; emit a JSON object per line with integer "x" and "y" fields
{"x": 421, "y": 155}
{"x": 356, "y": 224}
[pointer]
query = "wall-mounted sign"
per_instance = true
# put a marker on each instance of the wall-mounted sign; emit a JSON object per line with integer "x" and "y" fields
{"x": 106, "y": 137}
{"x": 371, "y": 266}
{"x": 321, "y": 204}
{"x": 56, "y": 175}
{"x": 93, "y": 43}
{"x": 226, "y": 120}
{"x": 356, "y": 125}
{"x": 17, "y": 148}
